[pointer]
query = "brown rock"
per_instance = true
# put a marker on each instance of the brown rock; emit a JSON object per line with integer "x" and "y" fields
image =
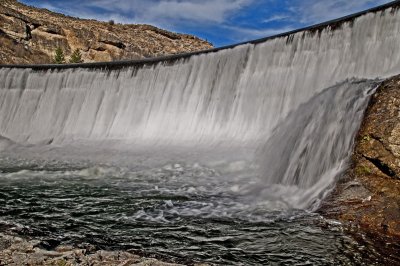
{"x": 18, "y": 252}
{"x": 373, "y": 203}
{"x": 64, "y": 248}
{"x": 98, "y": 41}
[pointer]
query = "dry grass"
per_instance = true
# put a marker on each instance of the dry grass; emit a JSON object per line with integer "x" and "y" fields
{"x": 13, "y": 52}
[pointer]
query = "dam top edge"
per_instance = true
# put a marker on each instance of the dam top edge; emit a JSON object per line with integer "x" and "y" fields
{"x": 170, "y": 58}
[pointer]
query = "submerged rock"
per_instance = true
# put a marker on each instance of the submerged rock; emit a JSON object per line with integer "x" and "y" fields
{"x": 369, "y": 195}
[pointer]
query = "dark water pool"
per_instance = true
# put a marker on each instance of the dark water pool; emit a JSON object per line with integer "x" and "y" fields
{"x": 180, "y": 213}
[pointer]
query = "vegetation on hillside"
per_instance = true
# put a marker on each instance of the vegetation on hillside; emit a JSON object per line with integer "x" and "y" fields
{"x": 76, "y": 57}
{"x": 59, "y": 57}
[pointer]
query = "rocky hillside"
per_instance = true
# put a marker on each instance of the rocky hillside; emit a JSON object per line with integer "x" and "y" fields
{"x": 30, "y": 36}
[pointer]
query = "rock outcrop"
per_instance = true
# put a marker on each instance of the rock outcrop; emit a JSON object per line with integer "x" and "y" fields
{"x": 18, "y": 251}
{"x": 369, "y": 195}
{"x": 30, "y": 35}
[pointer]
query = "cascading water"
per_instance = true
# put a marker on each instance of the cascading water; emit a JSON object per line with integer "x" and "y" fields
{"x": 233, "y": 133}
{"x": 237, "y": 94}
{"x": 312, "y": 144}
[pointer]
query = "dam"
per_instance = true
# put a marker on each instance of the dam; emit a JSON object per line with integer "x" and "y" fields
{"x": 254, "y": 134}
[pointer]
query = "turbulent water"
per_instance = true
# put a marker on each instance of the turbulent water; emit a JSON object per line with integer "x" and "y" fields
{"x": 214, "y": 150}
{"x": 314, "y": 141}
{"x": 179, "y": 212}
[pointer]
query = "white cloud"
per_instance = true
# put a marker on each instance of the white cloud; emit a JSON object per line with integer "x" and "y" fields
{"x": 172, "y": 11}
{"x": 205, "y": 11}
{"x": 277, "y": 18}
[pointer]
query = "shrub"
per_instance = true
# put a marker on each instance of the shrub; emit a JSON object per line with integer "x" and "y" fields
{"x": 76, "y": 57}
{"x": 59, "y": 57}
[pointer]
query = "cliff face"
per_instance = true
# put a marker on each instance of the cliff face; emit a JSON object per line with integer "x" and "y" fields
{"x": 31, "y": 35}
{"x": 369, "y": 195}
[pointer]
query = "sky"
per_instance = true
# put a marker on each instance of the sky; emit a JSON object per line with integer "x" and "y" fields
{"x": 221, "y": 22}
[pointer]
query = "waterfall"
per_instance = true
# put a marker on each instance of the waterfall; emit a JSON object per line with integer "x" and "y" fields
{"x": 312, "y": 145}
{"x": 232, "y": 96}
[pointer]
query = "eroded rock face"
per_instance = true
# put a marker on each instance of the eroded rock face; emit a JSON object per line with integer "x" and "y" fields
{"x": 98, "y": 41}
{"x": 369, "y": 195}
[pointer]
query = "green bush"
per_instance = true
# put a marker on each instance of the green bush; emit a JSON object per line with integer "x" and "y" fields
{"x": 76, "y": 57}
{"x": 59, "y": 57}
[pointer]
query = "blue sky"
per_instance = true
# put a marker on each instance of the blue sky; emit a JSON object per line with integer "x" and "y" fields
{"x": 221, "y": 22}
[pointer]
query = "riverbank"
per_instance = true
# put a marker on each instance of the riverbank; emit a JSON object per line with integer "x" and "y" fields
{"x": 368, "y": 196}
{"x": 18, "y": 251}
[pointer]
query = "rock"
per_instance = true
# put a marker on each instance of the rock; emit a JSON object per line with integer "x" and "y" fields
{"x": 4, "y": 243}
{"x": 98, "y": 41}
{"x": 17, "y": 251}
{"x": 374, "y": 202}
{"x": 64, "y": 248}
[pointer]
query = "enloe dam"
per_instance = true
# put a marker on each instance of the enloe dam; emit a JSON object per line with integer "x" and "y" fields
{"x": 219, "y": 156}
